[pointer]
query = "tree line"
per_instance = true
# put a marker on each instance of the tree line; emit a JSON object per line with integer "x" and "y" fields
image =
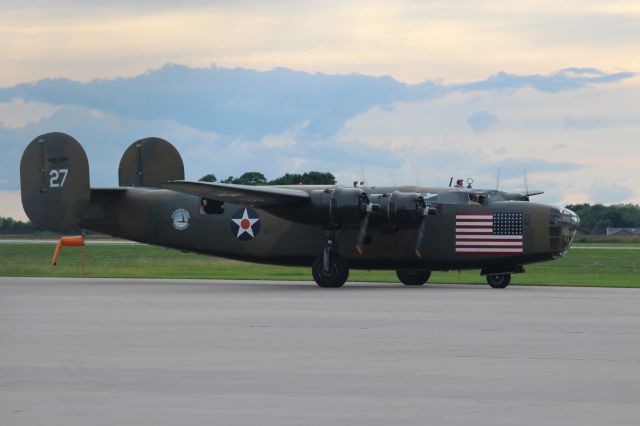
{"x": 14, "y": 227}
{"x": 597, "y": 217}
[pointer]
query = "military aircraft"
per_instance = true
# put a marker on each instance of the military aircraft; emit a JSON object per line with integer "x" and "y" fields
{"x": 413, "y": 230}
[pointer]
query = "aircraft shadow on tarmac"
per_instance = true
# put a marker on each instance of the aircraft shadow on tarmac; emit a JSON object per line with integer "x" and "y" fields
{"x": 304, "y": 286}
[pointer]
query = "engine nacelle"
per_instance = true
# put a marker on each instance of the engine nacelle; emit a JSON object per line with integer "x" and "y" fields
{"x": 339, "y": 205}
{"x": 399, "y": 209}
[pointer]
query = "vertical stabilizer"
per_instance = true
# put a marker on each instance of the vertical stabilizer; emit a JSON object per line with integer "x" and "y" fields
{"x": 54, "y": 181}
{"x": 150, "y": 162}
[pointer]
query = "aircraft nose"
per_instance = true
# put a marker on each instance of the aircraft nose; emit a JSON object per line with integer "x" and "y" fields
{"x": 570, "y": 225}
{"x": 570, "y": 219}
{"x": 563, "y": 225}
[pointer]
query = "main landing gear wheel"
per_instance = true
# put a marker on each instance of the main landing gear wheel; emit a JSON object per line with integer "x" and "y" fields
{"x": 335, "y": 275}
{"x": 499, "y": 281}
{"x": 413, "y": 276}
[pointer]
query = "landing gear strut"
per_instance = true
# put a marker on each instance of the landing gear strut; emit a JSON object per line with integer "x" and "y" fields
{"x": 499, "y": 280}
{"x": 413, "y": 276}
{"x": 330, "y": 269}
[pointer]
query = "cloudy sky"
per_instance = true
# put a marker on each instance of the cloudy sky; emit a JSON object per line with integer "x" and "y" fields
{"x": 401, "y": 92}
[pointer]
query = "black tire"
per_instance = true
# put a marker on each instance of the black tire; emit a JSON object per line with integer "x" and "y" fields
{"x": 337, "y": 274}
{"x": 499, "y": 280}
{"x": 413, "y": 276}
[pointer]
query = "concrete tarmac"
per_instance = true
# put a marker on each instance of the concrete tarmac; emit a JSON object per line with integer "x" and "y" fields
{"x": 182, "y": 352}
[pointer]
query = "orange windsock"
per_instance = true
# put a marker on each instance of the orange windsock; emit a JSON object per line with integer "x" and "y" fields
{"x": 74, "y": 241}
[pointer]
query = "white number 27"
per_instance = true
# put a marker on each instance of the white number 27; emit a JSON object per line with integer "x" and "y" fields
{"x": 57, "y": 177}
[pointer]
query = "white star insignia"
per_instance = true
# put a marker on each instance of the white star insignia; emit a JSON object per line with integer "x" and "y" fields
{"x": 245, "y": 224}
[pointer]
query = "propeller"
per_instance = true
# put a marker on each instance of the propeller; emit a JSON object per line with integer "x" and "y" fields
{"x": 363, "y": 176}
{"x": 423, "y": 210}
{"x": 363, "y": 232}
{"x": 523, "y": 195}
{"x": 368, "y": 207}
{"x": 527, "y": 192}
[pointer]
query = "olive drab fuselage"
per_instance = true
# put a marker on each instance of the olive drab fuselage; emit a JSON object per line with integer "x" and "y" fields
{"x": 147, "y": 215}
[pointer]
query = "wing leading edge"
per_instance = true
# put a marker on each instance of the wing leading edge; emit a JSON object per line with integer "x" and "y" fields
{"x": 255, "y": 196}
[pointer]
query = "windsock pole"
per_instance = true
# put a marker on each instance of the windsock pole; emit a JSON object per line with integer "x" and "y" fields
{"x": 73, "y": 241}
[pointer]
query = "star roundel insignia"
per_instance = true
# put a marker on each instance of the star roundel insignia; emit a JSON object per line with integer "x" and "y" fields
{"x": 245, "y": 224}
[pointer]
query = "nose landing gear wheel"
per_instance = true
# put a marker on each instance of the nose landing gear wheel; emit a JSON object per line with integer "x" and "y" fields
{"x": 413, "y": 276}
{"x": 499, "y": 281}
{"x": 335, "y": 275}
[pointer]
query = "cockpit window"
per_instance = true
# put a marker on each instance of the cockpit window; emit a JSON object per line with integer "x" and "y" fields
{"x": 465, "y": 197}
{"x": 494, "y": 196}
{"x": 430, "y": 198}
{"x": 555, "y": 217}
{"x": 453, "y": 197}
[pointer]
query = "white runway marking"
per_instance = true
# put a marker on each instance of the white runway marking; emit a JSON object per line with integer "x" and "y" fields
{"x": 604, "y": 248}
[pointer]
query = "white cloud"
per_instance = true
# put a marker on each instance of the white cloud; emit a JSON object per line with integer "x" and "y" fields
{"x": 411, "y": 40}
{"x": 423, "y": 142}
{"x": 11, "y": 205}
{"x": 433, "y": 137}
{"x": 19, "y": 112}
{"x": 288, "y": 138}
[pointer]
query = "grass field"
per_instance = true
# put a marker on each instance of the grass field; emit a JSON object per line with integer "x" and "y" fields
{"x": 615, "y": 265}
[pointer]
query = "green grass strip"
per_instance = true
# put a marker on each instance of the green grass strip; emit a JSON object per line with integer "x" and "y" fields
{"x": 616, "y": 265}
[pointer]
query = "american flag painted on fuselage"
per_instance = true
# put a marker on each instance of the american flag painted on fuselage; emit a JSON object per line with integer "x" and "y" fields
{"x": 489, "y": 233}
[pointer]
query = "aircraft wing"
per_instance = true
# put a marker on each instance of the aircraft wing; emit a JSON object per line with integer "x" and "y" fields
{"x": 240, "y": 194}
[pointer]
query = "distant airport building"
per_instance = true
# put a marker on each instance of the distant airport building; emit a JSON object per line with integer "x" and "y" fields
{"x": 623, "y": 232}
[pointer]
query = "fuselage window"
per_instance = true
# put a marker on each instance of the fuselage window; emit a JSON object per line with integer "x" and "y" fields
{"x": 209, "y": 206}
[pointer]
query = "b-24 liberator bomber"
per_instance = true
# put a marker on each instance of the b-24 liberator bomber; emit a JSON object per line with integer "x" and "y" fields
{"x": 331, "y": 228}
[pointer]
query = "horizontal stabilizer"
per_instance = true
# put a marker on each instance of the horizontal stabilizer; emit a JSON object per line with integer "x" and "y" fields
{"x": 106, "y": 190}
{"x": 255, "y": 196}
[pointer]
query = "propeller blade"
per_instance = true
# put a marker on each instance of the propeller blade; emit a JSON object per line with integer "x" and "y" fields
{"x": 363, "y": 176}
{"x": 362, "y": 234}
{"x": 421, "y": 208}
{"x": 420, "y": 235}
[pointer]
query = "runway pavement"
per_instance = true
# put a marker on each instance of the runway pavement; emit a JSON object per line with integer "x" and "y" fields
{"x": 177, "y": 352}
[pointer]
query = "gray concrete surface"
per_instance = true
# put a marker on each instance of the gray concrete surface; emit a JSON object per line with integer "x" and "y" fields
{"x": 156, "y": 352}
